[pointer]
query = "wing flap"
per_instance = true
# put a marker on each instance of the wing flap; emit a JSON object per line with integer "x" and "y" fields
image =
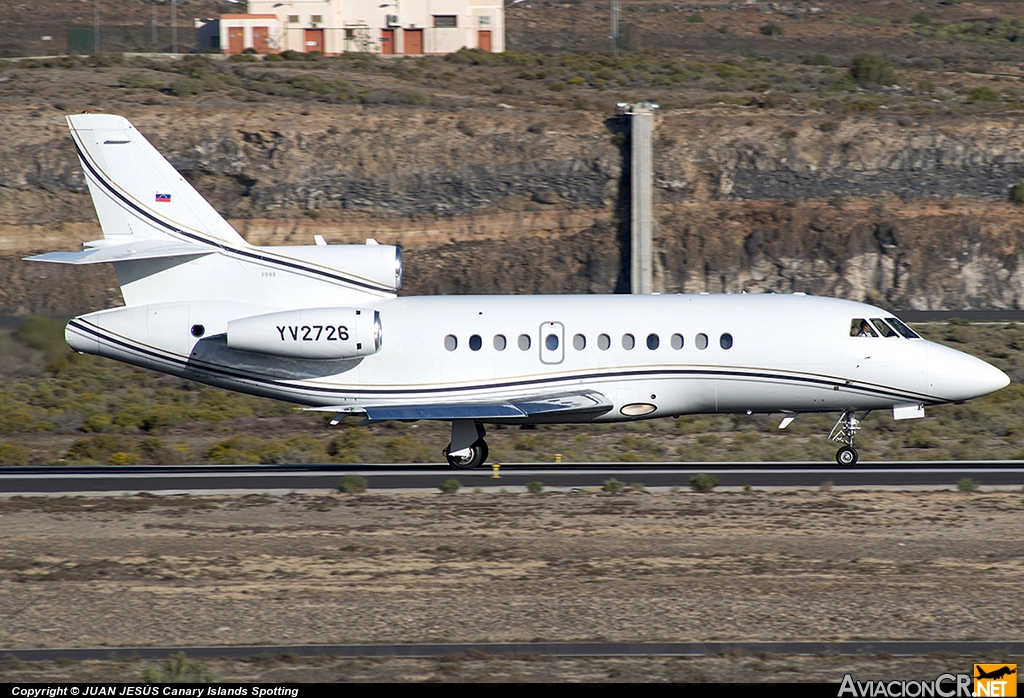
{"x": 139, "y": 249}
{"x": 581, "y": 402}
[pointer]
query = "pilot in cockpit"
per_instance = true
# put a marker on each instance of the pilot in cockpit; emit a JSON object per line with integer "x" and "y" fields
{"x": 861, "y": 328}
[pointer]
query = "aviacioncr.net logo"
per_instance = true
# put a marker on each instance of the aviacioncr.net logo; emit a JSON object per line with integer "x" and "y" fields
{"x": 945, "y": 686}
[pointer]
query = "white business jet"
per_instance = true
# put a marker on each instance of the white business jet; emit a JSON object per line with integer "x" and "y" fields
{"x": 323, "y": 326}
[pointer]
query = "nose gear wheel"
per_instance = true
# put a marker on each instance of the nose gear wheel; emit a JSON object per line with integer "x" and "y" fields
{"x": 843, "y": 432}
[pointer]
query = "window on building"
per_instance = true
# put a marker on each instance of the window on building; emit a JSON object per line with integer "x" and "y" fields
{"x": 442, "y": 21}
{"x": 317, "y": 19}
{"x": 485, "y": 21}
{"x": 293, "y": 19}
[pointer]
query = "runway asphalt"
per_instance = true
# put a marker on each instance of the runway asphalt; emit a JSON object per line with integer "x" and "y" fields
{"x": 277, "y": 478}
{"x": 548, "y": 649}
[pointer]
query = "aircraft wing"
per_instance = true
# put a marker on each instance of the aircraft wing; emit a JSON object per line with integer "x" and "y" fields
{"x": 578, "y": 402}
{"x": 138, "y": 249}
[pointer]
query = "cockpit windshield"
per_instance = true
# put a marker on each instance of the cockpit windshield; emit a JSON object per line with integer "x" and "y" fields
{"x": 876, "y": 326}
{"x": 903, "y": 329}
{"x": 883, "y": 328}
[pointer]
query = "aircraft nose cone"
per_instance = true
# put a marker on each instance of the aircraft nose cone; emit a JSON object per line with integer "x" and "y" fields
{"x": 955, "y": 376}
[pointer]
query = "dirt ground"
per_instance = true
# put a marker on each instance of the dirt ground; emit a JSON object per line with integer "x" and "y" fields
{"x": 501, "y": 567}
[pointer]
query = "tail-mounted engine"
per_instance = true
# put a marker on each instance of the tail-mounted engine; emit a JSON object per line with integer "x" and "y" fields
{"x": 311, "y": 333}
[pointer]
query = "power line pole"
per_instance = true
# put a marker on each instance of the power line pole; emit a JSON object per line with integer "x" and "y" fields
{"x": 615, "y": 27}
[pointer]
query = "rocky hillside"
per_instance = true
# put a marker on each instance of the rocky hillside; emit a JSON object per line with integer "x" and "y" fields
{"x": 910, "y": 213}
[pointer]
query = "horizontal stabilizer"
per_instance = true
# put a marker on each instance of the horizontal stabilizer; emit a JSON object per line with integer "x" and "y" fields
{"x": 139, "y": 249}
{"x": 581, "y": 403}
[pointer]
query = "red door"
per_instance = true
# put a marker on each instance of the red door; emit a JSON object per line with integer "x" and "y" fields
{"x": 236, "y": 39}
{"x": 314, "y": 41}
{"x": 387, "y": 41}
{"x": 413, "y": 40}
{"x": 261, "y": 39}
{"x": 484, "y": 40}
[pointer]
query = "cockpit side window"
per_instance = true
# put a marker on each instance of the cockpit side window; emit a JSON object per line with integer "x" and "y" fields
{"x": 859, "y": 327}
{"x": 884, "y": 329}
{"x": 903, "y": 329}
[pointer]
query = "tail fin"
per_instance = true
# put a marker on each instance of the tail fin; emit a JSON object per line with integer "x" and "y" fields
{"x": 138, "y": 195}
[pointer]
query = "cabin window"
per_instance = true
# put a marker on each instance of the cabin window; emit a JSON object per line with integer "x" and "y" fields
{"x": 860, "y": 327}
{"x": 628, "y": 341}
{"x": 579, "y": 342}
{"x": 604, "y": 342}
{"x": 725, "y": 341}
{"x": 524, "y": 342}
{"x": 653, "y": 341}
{"x": 701, "y": 341}
{"x": 677, "y": 341}
{"x": 475, "y": 342}
{"x": 903, "y": 329}
{"x": 450, "y": 342}
{"x": 499, "y": 342}
{"x": 551, "y": 342}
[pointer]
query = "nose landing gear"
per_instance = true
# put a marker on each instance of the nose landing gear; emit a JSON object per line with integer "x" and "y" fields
{"x": 843, "y": 432}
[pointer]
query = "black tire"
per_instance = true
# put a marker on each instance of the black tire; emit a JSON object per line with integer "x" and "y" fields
{"x": 846, "y": 456}
{"x": 478, "y": 454}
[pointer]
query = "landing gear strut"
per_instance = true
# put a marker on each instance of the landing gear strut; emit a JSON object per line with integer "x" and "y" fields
{"x": 843, "y": 432}
{"x": 477, "y": 455}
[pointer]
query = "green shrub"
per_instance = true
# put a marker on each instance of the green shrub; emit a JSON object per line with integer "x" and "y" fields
{"x": 921, "y": 18}
{"x": 638, "y": 487}
{"x": 352, "y": 484}
{"x": 982, "y": 94}
{"x": 703, "y": 482}
{"x": 557, "y": 87}
{"x": 243, "y": 58}
{"x": 695, "y": 18}
{"x": 869, "y": 69}
{"x": 535, "y": 487}
{"x": 178, "y": 669}
{"x": 612, "y": 485}
{"x": 1017, "y": 193}
{"x": 273, "y": 58}
{"x": 450, "y": 486}
{"x": 771, "y": 29}
{"x": 138, "y": 80}
{"x": 188, "y": 87}
{"x": 13, "y": 455}
{"x": 966, "y": 484}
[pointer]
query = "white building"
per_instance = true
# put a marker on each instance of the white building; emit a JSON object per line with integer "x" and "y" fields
{"x": 370, "y": 26}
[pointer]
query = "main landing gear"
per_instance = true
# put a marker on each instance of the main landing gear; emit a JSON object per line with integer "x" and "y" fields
{"x": 467, "y": 449}
{"x": 844, "y": 431}
{"x": 467, "y": 461}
